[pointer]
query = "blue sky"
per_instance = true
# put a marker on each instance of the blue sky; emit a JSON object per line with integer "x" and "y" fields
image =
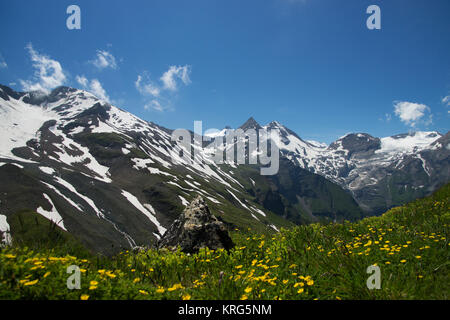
{"x": 312, "y": 65}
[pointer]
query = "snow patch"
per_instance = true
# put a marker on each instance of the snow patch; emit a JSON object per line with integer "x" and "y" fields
{"x": 409, "y": 143}
{"x": 259, "y": 211}
{"x": 72, "y": 189}
{"x": 53, "y": 214}
{"x": 16, "y": 128}
{"x": 213, "y": 200}
{"x": 77, "y": 206}
{"x": 240, "y": 202}
{"x": 47, "y": 170}
{"x": 146, "y": 209}
{"x": 101, "y": 172}
{"x": 141, "y": 163}
{"x": 184, "y": 202}
{"x": 5, "y": 229}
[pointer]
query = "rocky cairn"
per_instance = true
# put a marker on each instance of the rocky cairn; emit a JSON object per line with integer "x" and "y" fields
{"x": 196, "y": 228}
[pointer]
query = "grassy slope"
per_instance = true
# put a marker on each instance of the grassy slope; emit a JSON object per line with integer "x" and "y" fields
{"x": 409, "y": 244}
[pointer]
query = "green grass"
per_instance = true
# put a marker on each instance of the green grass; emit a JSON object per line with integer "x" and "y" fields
{"x": 409, "y": 244}
{"x": 31, "y": 230}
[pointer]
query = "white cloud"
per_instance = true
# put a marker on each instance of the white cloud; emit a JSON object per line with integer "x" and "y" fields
{"x": 429, "y": 121}
{"x": 94, "y": 86}
{"x": 3, "y": 63}
{"x": 83, "y": 81}
{"x": 388, "y": 117}
{"x": 104, "y": 59}
{"x": 410, "y": 113}
{"x": 48, "y": 75}
{"x": 169, "y": 77}
{"x": 154, "y": 104}
{"x": 97, "y": 90}
{"x": 146, "y": 88}
{"x": 446, "y": 100}
{"x": 162, "y": 94}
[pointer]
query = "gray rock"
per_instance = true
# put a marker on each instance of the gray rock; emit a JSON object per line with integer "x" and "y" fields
{"x": 196, "y": 228}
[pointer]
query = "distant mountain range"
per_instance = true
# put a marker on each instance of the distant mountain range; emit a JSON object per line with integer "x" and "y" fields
{"x": 115, "y": 181}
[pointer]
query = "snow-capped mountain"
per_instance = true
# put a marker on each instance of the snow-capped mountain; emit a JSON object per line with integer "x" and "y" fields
{"x": 371, "y": 168}
{"x": 116, "y": 181}
{"x": 87, "y": 158}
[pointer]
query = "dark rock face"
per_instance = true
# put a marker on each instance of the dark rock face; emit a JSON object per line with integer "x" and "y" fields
{"x": 250, "y": 124}
{"x": 361, "y": 144}
{"x": 196, "y": 228}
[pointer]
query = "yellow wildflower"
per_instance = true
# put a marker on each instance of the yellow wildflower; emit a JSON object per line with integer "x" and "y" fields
{"x": 175, "y": 287}
{"x": 160, "y": 290}
{"x": 186, "y": 296}
{"x": 31, "y": 283}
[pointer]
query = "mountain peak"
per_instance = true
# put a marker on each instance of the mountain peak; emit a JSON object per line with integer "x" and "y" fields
{"x": 283, "y": 130}
{"x": 62, "y": 90}
{"x": 6, "y": 92}
{"x": 250, "y": 124}
{"x": 275, "y": 124}
{"x": 356, "y": 143}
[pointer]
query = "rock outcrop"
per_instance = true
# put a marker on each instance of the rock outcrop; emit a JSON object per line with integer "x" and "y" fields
{"x": 196, "y": 228}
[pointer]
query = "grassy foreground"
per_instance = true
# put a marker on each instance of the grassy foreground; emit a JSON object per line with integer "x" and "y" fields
{"x": 409, "y": 244}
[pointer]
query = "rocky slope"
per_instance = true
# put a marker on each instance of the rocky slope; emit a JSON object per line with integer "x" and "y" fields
{"x": 378, "y": 172}
{"x": 196, "y": 228}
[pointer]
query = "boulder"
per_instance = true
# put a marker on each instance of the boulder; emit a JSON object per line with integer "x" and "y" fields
{"x": 196, "y": 228}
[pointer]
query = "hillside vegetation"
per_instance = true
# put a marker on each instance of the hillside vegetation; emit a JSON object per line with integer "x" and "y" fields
{"x": 409, "y": 244}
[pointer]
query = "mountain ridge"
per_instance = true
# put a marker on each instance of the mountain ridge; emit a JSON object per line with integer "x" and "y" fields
{"x": 117, "y": 181}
